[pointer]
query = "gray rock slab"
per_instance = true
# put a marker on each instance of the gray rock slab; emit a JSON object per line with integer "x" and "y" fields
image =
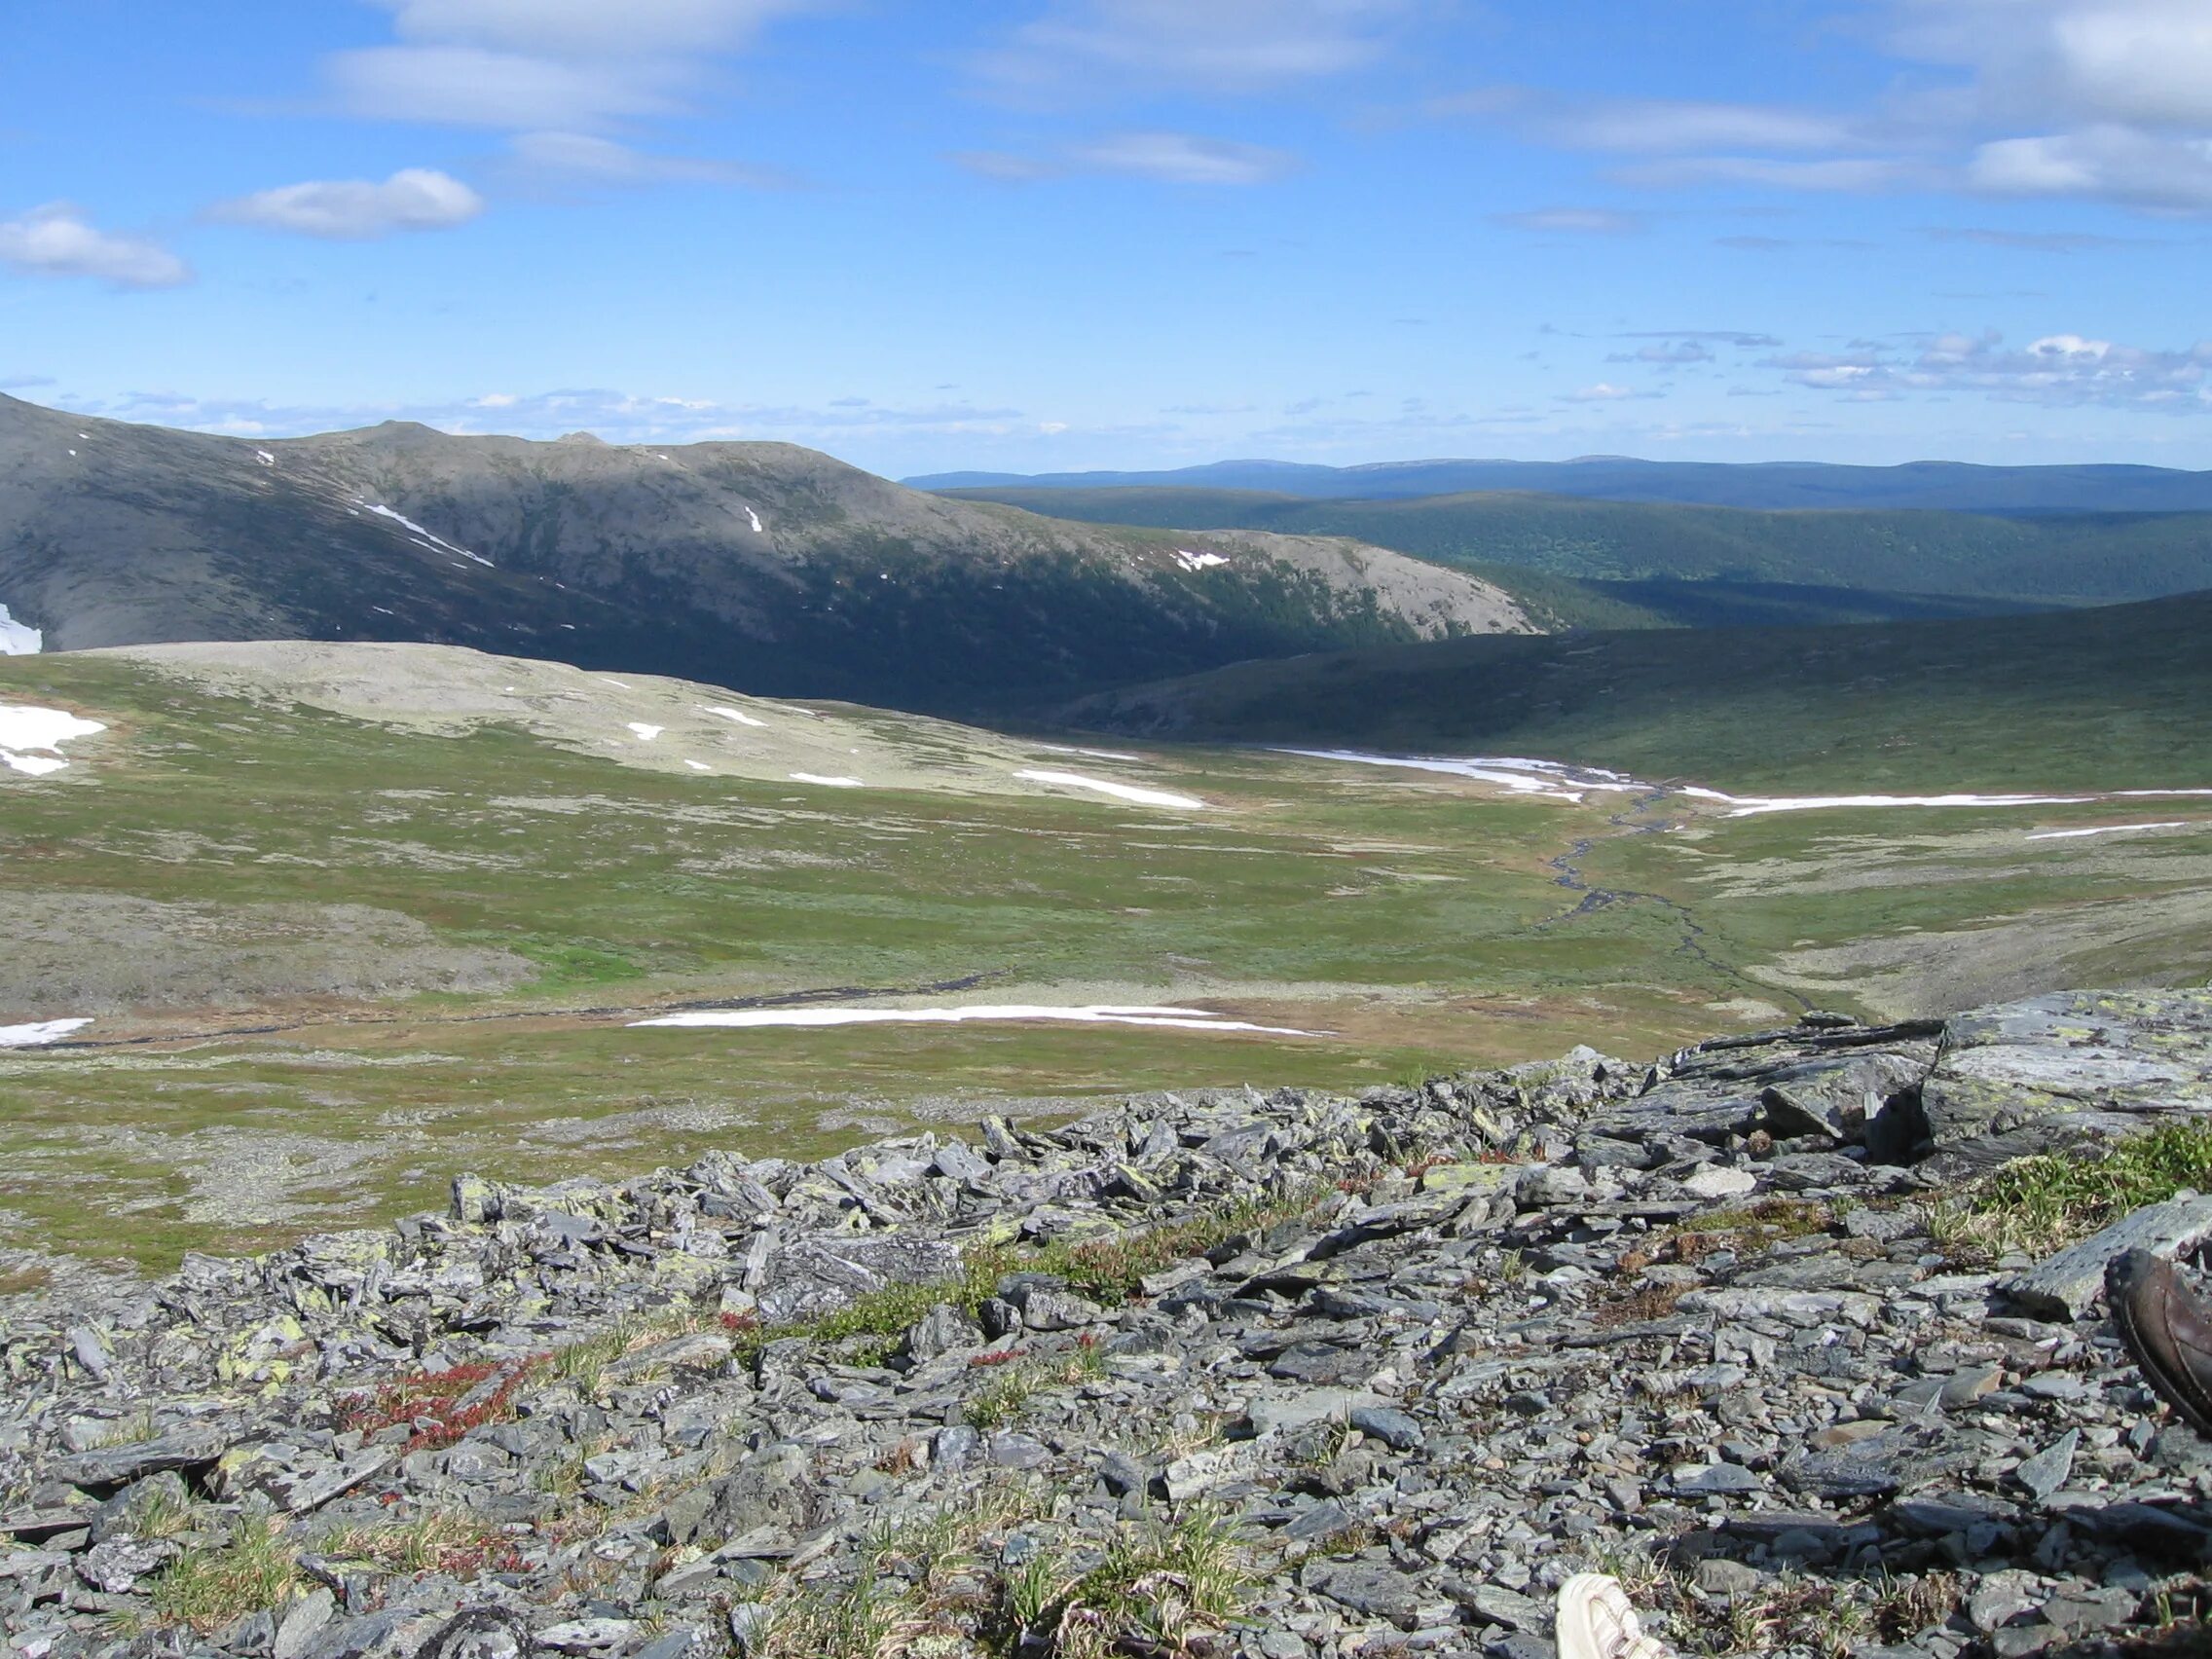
{"x": 2064, "y": 1285}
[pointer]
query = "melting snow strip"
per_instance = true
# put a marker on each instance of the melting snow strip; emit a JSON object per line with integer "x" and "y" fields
{"x": 646, "y": 733}
{"x": 828, "y": 783}
{"x": 737, "y": 714}
{"x": 698, "y": 765}
{"x": 1120, "y": 791}
{"x": 1190, "y": 560}
{"x": 1554, "y": 781}
{"x": 2104, "y": 830}
{"x": 1178, "y": 1018}
{"x": 759, "y": 528}
{"x": 429, "y": 535}
{"x": 39, "y": 1035}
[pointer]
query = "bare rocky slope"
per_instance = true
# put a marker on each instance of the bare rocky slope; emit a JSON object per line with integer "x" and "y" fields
{"x": 760, "y": 566}
{"x": 1279, "y": 1377}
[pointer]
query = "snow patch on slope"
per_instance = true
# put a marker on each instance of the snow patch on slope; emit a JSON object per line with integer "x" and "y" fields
{"x": 19, "y": 639}
{"x": 1120, "y": 791}
{"x": 31, "y": 739}
{"x": 39, "y": 1035}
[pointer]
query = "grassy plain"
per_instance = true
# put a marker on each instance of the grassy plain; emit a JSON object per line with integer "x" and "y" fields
{"x": 339, "y": 959}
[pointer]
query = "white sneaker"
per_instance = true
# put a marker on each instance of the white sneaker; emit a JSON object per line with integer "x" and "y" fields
{"x": 1597, "y": 1622}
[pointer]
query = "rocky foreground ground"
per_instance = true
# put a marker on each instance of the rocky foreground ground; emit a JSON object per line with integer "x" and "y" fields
{"x": 1755, "y": 1328}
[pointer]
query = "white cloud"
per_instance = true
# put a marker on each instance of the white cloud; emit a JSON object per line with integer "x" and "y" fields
{"x": 618, "y": 416}
{"x": 1167, "y": 157}
{"x": 58, "y": 241}
{"x": 2061, "y": 370}
{"x": 1182, "y": 157}
{"x": 1605, "y": 392}
{"x": 584, "y": 157}
{"x": 543, "y": 65}
{"x": 1573, "y": 221}
{"x": 468, "y": 85}
{"x": 587, "y": 28}
{"x": 2095, "y": 101}
{"x": 1228, "y": 46}
{"x": 1651, "y": 126}
{"x": 414, "y": 199}
{"x": 1842, "y": 175}
{"x": 1681, "y": 351}
{"x": 2113, "y": 164}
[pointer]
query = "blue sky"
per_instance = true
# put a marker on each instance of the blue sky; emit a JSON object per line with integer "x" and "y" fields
{"x": 1054, "y": 234}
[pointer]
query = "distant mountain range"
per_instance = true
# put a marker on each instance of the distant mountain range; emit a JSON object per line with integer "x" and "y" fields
{"x": 762, "y": 566}
{"x": 1940, "y": 485}
{"x": 1643, "y": 563}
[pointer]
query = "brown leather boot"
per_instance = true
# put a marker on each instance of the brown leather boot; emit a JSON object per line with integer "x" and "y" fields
{"x": 2167, "y": 1330}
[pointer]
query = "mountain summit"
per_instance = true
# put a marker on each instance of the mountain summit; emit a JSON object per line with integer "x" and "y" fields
{"x": 762, "y": 566}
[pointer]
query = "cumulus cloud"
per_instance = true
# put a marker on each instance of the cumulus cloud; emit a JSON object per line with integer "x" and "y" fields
{"x": 59, "y": 240}
{"x": 2060, "y": 370}
{"x": 1605, "y": 392}
{"x": 1573, "y": 221}
{"x": 1167, "y": 158}
{"x": 414, "y": 199}
{"x": 1226, "y": 46}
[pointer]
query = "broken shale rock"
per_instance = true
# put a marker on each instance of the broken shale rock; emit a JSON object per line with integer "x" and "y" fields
{"x": 1383, "y": 1372}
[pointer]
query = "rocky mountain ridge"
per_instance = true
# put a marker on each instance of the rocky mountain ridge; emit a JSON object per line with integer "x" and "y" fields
{"x": 760, "y": 566}
{"x": 1281, "y": 1376}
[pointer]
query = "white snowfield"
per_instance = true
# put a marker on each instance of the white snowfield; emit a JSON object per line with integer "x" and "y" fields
{"x": 2105, "y": 830}
{"x": 442, "y": 544}
{"x": 37, "y": 1035}
{"x": 1190, "y": 560}
{"x": 19, "y": 639}
{"x": 738, "y": 716}
{"x": 646, "y": 733}
{"x": 828, "y": 783}
{"x": 1555, "y": 781}
{"x": 759, "y": 528}
{"x": 31, "y": 739}
{"x": 1546, "y": 778}
{"x": 1120, "y": 791}
{"x": 1177, "y": 1018}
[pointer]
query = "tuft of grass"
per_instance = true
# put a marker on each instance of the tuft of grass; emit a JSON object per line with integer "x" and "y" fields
{"x": 1000, "y": 1400}
{"x": 2045, "y": 1202}
{"x": 207, "y": 1589}
{"x": 442, "y": 1541}
{"x": 1166, "y": 1589}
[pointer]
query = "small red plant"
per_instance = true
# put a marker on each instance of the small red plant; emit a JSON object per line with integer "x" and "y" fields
{"x": 431, "y": 1406}
{"x": 741, "y": 1324}
{"x": 996, "y": 1356}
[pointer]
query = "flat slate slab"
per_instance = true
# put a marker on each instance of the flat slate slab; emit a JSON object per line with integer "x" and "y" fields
{"x": 2073, "y": 1054}
{"x": 2063, "y": 1286}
